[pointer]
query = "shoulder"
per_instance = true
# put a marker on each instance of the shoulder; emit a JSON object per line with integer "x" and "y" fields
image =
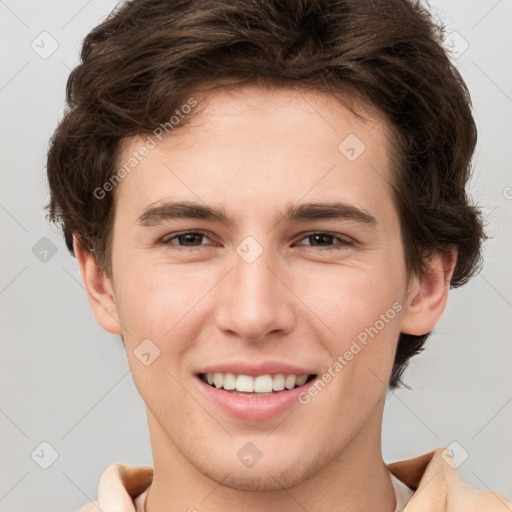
{"x": 119, "y": 485}
{"x": 92, "y": 506}
{"x": 436, "y": 481}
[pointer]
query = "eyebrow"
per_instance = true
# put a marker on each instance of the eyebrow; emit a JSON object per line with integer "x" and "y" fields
{"x": 304, "y": 212}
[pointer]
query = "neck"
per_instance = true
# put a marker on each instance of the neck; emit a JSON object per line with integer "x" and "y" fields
{"x": 356, "y": 478}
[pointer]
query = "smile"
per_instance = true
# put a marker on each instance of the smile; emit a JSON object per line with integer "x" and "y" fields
{"x": 256, "y": 397}
{"x": 260, "y": 385}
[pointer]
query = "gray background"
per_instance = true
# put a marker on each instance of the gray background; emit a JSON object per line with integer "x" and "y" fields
{"x": 66, "y": 382}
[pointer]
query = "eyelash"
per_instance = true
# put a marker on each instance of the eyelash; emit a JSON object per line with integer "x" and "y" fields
{"x": 168, "y": 238}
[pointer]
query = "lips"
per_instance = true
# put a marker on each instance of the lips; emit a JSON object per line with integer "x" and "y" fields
{"x": 256, "y": 391}
{"x": 254, "y": 369}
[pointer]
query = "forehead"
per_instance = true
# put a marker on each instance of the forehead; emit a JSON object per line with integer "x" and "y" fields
{"x": 278, "y": 108}
{"x": 267, "y": 143}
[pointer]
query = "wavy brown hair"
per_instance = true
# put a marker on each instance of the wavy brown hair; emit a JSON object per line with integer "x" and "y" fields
{"x": 142, "y": 63}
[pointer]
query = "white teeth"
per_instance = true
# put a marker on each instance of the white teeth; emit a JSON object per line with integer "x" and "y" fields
{"x": 218, "y": 379}
{"x": 229, "y": 381}
{"x": 278, "y": 382}
{"x": 262, "y": 384}
{"x": 289, "y": 382}
{"x": 245, "y": 383}
{"x": 301, "y": 379}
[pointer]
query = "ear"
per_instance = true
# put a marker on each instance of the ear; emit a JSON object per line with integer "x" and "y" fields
{"x": 99, "y": 289}
{"x": 428, "y": 294}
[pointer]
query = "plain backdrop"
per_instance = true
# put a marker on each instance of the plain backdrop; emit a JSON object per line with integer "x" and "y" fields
{"x": 68, "y": 402}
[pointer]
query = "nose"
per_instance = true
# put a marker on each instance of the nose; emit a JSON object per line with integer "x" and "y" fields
{"x": 255, "y": 301}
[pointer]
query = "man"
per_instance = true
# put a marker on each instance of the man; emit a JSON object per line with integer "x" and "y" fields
{"x": 267, "y": 203}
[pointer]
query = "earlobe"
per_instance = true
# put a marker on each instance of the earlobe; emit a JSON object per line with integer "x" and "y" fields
{"x": 428, "y": 294}
{"x": 99, "y": 289}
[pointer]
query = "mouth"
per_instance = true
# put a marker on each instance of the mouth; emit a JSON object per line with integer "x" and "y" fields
{"x": 255, "y": 386}
{"x": 255, "y": 391}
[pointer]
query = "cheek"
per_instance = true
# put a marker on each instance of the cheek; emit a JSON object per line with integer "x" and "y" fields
{"x": 153, "y": 299}
{"x": 362, "y": 310}
{"x": 347, "y": 297}
{"x": 153, "y": 306}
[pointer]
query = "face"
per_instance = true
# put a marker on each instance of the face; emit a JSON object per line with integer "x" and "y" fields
{"x": 300, "y": 272}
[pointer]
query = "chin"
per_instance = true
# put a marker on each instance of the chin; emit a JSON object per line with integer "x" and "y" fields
{"x": 280, "y": 466}
{"x": 262, "y": 478}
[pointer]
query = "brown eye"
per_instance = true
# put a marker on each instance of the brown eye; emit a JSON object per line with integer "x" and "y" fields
{"x": 319, "y": 239}
{"x": 184, "y": 239}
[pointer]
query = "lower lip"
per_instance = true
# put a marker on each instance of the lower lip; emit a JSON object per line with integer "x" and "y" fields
{"x": 256, "y": 408}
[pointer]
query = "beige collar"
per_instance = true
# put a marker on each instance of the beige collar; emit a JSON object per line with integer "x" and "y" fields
{"x": 435, "y": 479}
{"x": 433, "y": 476}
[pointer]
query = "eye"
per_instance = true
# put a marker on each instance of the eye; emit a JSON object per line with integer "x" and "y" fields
{"x": 192, "y": 240}
{"x": 188, "y": 238}
{"x": 321, "y": 237}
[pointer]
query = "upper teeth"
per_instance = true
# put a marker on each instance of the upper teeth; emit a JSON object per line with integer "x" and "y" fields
{"x": 260, "y": 384}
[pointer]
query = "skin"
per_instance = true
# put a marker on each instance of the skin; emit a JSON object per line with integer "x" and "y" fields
{"x": 254, "y": 151}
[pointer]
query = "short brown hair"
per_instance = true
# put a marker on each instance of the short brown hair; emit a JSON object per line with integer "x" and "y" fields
{"x": 143, "y": 61}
